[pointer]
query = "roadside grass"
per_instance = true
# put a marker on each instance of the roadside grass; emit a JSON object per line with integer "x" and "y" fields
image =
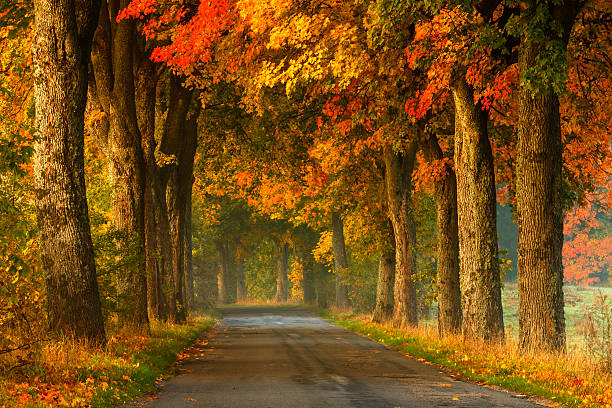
{"x": 570, "y": 380}
{"x": 578, "y": 300}
{"x": 66, "y": 373}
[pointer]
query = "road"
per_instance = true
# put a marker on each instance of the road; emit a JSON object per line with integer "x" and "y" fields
{"x": 286, "y": 357}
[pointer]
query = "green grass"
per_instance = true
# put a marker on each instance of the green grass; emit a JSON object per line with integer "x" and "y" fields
{"x": 578, "y": 300}
{"x": 150, "y": 363}
{"x": 567, "y": 382}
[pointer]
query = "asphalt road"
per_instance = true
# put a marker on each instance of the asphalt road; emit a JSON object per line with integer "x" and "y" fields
{"x": 284, "y": 357}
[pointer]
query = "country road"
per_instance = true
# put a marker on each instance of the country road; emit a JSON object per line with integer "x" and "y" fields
{"x": 287, "y": 357}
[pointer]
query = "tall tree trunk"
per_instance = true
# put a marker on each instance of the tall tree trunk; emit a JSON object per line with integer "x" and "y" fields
{"x": 145, "y": 90}
{"x": 383, "y": 311}
{"x": 539, "y": 185}
{"x": 222, "y": 251}
{"x": 282, "y": 270}
{"x": 476, "y": 197}
{"x": 447, "y": 271}
{"x": 179, "y": 185}
{"x": 340, "y": 261}
{"x": 171, "y": 109}
{"x": 160, "y": 208}
{"x": 308, "y": 284}
{"x": 189, "y": 282}
{"x": 398, "y": 174}
{"x": 241, "y": 295}
{"x": 114, "y": 66}
{"x": 60, "y": 50}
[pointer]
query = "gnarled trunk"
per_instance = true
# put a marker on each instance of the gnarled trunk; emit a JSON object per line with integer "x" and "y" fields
{"x": 383, "y": 311}
{"x": 60, "y": 50}
{"x": 447, "y": 271}
{"x": 145, "y": 90}
{"x": 398, "y": 173}
{"x": 476, "y": 195}
{"x": 340, "y": 261}
{"x": 179, "y": 186}
{"x": 114, "y": 66}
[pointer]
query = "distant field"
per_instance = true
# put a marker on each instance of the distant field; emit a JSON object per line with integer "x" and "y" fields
{"x": 577, "y": 301}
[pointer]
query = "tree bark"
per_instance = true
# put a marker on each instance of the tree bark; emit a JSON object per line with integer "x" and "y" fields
{"x": 222, "y": 251}
{"x": 172, "y": 103}
{"x": 383, "y": 311}
{"x": 398, "y": 174}
{"x": 145, "y": 90}
{"x": 476, "y": 198}
{"x": 308, "y": 284}
{"x": 340, "y": 261}
{"x": 188, "y": 249}
{"x": 62, "y": 39}
{"x": 241, "y": 295}
{"x": 282, "y": 269}
{"x": 539, "y": 190}
{"x": 447, "y": 271}
{"x": 114, "y": 66}
{"x": 179, "y": 186}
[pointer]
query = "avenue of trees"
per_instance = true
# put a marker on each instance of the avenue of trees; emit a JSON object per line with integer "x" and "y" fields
{"x": 156, "y": 156}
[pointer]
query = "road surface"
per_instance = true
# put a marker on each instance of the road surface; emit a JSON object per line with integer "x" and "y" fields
{"x": 286, "y": 357}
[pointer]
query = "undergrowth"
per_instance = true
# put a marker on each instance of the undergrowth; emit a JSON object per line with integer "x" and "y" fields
{"x": 66, "y": 373}
{"x": 571, "y": 380}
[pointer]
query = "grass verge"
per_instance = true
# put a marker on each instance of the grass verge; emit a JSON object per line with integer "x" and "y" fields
{"x": 568, "y": 380}
{"x": 71, "y": 375}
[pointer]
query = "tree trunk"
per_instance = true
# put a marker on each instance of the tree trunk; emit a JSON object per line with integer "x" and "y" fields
{"x": 476, "y": 197}
{"x": 145, "y": 91}
{"x": 447, "y": 271}
{"x": 114, "y": 66}
{"x": 241, "y": 295}
{"x": 179, "y": 185}
{"x": 189, "y": 282}
{"x": 60, "y": 50}
{"x": 383, "y": 311}
{"x": 398, "y": 174}
{"x": 222, "y": 252}
{"x": 340, "y": 261}
{"x": 282, "y": 269}
{"x": 308, "y": 284}
{"x": 539, "y": 198}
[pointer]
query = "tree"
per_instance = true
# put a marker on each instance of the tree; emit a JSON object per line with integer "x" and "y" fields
{"x": 398, "y": 174}
{"x": 340, "y": 261}
{"x": 115, "y": 61}
{"x": 383, "y": 311}
{"x": 63, "y": 34}
{"x": 539, "y": 175}
{"x": 476, "y": 197}
{"x": 447, "y": 269}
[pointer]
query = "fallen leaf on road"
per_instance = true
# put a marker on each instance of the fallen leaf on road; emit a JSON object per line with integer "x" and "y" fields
{"x": 191, "y": 399}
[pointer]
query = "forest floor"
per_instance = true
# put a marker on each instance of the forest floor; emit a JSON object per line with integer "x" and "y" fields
{"x": 288, "y": 357}
{"x": 68, "y": 374}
